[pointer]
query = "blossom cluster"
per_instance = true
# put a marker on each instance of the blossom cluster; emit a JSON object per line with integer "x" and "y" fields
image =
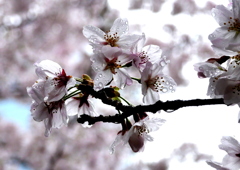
{"x": 223, "y": 73}
{"x": 56, "y": 95}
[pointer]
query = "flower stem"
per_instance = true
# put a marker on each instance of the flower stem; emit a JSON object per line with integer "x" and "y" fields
{"x": 137, "y": 79}
{"x": 71, "y": 94}
{"x": 125, "y": 101}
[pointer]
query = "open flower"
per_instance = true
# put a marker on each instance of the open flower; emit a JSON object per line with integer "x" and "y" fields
{"x": 80, "y": 104}
{"x": 108, "y": 65}
{"x": 232, "y": 160}
{"x": 116, "y": 37}
{"x": 227, "y": 34}
{"x": 56, "y": 80}
{"x": 138, "y": 134}
{"x": 142, "y": 54}
{"x": 154, "y": 81}
{"x": 53, "y": 114}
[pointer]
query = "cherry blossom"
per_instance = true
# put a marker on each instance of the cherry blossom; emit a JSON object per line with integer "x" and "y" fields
{"x": 80, "y": 104}
{"x": 207, "y": 69}
{"x": 54, "y": 113}
{"x": 232, "y": 160}
{"x": 116, "y": 37}
{"x": 56, "y": 80}
{"x": 138, "y": 134}
{"x": 142, "y": 54}
{"x": 154, "y": 81}
{"x": 227, "y": 34}
{"x": 108, "y": 65}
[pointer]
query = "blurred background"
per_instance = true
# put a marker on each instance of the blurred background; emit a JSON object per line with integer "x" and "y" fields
{"x": 33, "y": 30}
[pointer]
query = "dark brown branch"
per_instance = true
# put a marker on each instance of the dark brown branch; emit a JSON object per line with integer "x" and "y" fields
{"x": 168, "y": 106}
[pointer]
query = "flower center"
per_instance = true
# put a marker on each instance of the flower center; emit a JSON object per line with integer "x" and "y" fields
{"x": 143, "y": 57}
{"x": 142, "y": 129}
{"x": 236, "y": 89}
{"x": 233, "y": 24}
{"x": 112, "y": 39}
{"x": 112, "y": 65}
{"x": 156, "y": 84}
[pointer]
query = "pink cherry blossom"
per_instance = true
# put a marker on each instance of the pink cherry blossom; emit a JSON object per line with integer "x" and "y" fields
{"x": 56, "y": 80}
{"x": 154, "y": 81}
{"x": 53, "y": 114}
{"x": 108, "y": 65}
{"x": 228, "y": 33}
{"x": 142, "y": 54}
{"x": 116, "y": 37}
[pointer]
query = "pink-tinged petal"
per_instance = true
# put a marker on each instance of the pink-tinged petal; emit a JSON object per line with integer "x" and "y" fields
{"x": 221, "y": 14}
{"x": 151, "y": 97}
{"x": 122, "y": 78}
{"x": 136, "y": 142}
{"x": 48, "y": 68}
{"x": 101, "y": 79}
{"x": 93, "y": 33}
{"x": 120, "y": 26}
{"x": 39, "y": 111}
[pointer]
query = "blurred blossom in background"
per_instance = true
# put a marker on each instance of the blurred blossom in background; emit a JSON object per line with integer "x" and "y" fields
{"x": 31, "y": 31}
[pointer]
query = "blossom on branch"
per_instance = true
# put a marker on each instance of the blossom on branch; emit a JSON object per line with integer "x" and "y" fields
{"x": 53, "y": 114}
{"x": 116, "y": 37}
{"x": 154, "y": 81}
{"x": 227, "y": 36}
{"x": 142, "y": 54}
{"x": 109, "y": 65}
{"x": 56, "y": 80}
{"x": 80, "y": 104}
{"x": 138, "y": 134}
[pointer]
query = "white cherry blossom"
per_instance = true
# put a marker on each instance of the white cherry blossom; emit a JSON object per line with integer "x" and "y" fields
{"x": 108, "y": 66}
{"x": 154, "y": 81}
{"x": 227, "y": 35}
{"x": 56, "y": 80}
{"x": 116, "y": 37}
{"x": 53, "y": 114}
{"x": 138, "y": 134}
